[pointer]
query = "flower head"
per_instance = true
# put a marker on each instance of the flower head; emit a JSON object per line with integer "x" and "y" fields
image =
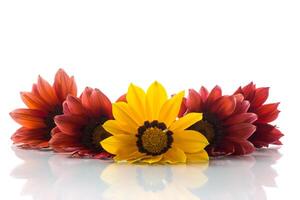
{"x": 226, "y": 123}
{"x": 265, "y": 133}
{"x": 146, "y": 129}
{"x": 79, "y": 130}
{"x": 44, "y": 102}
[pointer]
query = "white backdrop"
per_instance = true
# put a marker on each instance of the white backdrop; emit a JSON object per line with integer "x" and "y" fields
{"x": 183, "y": 44}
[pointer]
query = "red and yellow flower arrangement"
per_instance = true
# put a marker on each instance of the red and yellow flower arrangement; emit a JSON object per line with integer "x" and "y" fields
{"x": 145, "y": 126}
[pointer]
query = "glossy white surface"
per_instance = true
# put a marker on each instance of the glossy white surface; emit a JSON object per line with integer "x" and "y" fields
{"x": 44, "y": 175}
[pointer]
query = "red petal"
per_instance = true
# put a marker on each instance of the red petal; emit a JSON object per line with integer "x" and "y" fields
{"x": 239, "y": 98}
{"x": 31, "y": 138}
{"x": 74, "y": 106}
{"x": 183, "y": 108}
{"x": 242, "y": 106}
{"x": 66, "y": 109}
{"x": 81, "y": 153}
{"x": 29, "y": 118}
{"x": 55, "y": 130}
{"x": 61, "y": 142}
{"x": 27, "y": 134}
{"x": 70, "y": 124}
{"x": 267, "y": 113}
{"x": 34, "y": 102}
{"x": 249, "y": 91}
{"x": 243, "y": 147}
{"x": 239, "y": 91}
{"x": 100, "y": 104}
{"x": 261, "y": 95}
{"x": 215, "y": 94}
{"x": 102, "y": 155}
{"x": 47, "y": 92}
{"x": 64, "y": 85}
{"x": 85, "y": 97}
{"x": 203, "y": 93}
{"x": 241, "y": 118}
{"x": 240, "y": 131}
{"x": 225, "y": 148}
{"x": 122, "y": 98}
{"x": 36, "y": 93}
{"x": 264, "y": 135}
{"x": 277, "y": 142}
{"x": 223, "y": 107}
{"x": 194, "y": 102}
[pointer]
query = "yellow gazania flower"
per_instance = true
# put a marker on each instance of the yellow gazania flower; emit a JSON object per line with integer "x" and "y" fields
{"x": 146, "y": 129}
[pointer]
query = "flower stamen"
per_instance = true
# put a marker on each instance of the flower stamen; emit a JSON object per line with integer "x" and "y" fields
{"x": 93, "y": 134}
{"x": 154, "y": 138}
{"x": 210, "y": 127}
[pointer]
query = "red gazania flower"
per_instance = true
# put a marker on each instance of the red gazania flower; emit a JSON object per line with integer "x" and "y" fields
{"x": 226, "y": 123}
{"x": 44, "y": 102}
{"x": 79, "y": 130}
{"x": 265, "y": 133}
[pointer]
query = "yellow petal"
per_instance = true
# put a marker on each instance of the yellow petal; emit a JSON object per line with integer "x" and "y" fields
{"x": 170, "y": 109}
{"x": 131, "y": 155}
{"x": 185, "y": 121}
{"x": 123, "y": 113}
{"x": 114, "y": 127}
{"x": 152, "y": 159}
{"x": 156, "y": 96}
{"x": 201, "y": 156}
{"x": 136, "y": 99}
{"x": 174, "y": 155}
{"x": 118, "y": 143}
{"x": 190, "y": 141}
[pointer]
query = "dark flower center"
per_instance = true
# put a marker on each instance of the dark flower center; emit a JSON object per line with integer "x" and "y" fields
{"x": 154, "y": 138}
{"x": 49, "y": 120}
{"x": 210, "y": 126}
{"x": 93, "y": 134}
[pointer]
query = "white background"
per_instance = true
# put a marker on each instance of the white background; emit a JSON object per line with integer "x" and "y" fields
{"x": 183, "y": 44}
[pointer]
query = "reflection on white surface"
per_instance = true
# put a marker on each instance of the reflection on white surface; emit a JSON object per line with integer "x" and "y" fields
{"x": 52, "y": 176}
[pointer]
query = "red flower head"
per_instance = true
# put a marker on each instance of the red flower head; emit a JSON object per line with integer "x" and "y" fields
{"x": 44, "y": 102}
{"x": 226, "y": 123}
{"x": 265, "y": 133}
{"x": 79, "y": 130}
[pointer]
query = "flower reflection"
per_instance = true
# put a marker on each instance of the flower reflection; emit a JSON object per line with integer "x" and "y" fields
{"x": 52, "y": 176}
{"x": 152, "y": 182}
{"x": 239, "y": 178}
{"x": 77, "y": 178}
{"x": 36, "y": 171}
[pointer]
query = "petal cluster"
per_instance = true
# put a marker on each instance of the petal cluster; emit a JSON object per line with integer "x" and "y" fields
{"x": 43, "y": 103}
{"x": 226, "y": 122}
{"x": 79, "y": 129}
{"x": 153, "y": 111}
{"x": 265, "y": 133}
{"x": 145, "y": 126}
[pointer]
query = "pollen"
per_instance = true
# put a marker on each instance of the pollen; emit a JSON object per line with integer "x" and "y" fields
{"x": 154, "y": 140}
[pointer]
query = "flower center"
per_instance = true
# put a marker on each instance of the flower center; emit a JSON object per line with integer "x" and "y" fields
{"x": 49, "y": 120}
{"x": 154, "y": 138}
{"x": 93, "y": 134}
{"x": 210, "y": 127}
